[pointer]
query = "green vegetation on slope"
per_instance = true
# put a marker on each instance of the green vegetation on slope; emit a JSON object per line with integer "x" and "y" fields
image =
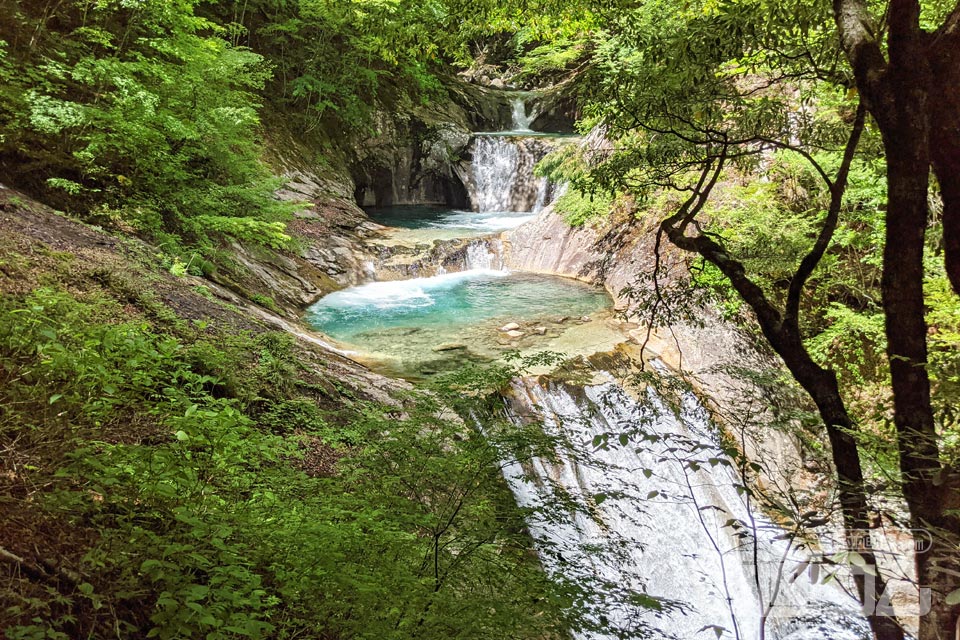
{"x": 146, "y": 114}
{"x": 136, "y": 113}
{"x": 170, "y": 478}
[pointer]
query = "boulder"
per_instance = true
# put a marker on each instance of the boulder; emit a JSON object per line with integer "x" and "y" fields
{"x": 510, "y": 326}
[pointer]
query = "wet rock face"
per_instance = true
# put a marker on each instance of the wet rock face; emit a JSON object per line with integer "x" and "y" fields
{"x": 616, "y": 254}
{"x": 413, "y": 166}
{"x": 487, "y": 106}
{"x": 402, "y": 260}
{"x": 556, "y": 112}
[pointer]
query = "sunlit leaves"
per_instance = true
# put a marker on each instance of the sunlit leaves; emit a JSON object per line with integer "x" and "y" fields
{"x": 139, "y": 106}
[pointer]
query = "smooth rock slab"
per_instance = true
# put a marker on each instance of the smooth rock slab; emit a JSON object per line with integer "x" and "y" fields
{"x": 450, "y": 346}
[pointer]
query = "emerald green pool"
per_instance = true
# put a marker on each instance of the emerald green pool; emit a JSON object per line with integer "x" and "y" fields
{"x": 412, "y": 323}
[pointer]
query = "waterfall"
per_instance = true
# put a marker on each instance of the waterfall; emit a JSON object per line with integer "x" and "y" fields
{"x": 521, "y": 121}
{"x": 483, "y": 254}
{"x": 500, "y": 177}
{"x": 661, "y": 529}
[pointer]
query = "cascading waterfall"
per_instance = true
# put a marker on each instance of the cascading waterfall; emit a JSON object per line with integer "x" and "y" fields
{"x": 494, "y": 171}
{"x": 521, "y": 121}
{"x": 500, "y": 176}
{"x": 484, "y": 255}
{"x": 661, "y": 528}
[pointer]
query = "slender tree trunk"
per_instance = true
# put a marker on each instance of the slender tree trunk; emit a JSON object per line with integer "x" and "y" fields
{"x": 909, "y": 138}
{"x": 945, "y": 133}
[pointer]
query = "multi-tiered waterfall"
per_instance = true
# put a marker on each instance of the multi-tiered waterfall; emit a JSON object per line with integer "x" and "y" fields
{"x": 654, "y": 520}
{"x": 630, "y": 521}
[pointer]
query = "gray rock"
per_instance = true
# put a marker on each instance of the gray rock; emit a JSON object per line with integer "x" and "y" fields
{"x": 510, "y": 326}
{"x": 449, "y": 346}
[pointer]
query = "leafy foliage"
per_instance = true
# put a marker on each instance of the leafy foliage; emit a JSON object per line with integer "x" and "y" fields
{"x": 208, "y": 494}
{"x": 140, "y": 111}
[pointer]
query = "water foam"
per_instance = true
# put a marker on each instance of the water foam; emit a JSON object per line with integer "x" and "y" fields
{"x": 403, "y": 294}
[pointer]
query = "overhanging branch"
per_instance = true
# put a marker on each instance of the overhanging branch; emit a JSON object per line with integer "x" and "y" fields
{"x": 837, "y": 188}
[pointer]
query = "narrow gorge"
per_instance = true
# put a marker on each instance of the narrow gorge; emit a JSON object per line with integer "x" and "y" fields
{"x": 445, "y": 320}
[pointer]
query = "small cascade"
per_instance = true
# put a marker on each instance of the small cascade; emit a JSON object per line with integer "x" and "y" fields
{"x": 651, "y": 523}
{"x": 521, "y": 121}
{"x": 483, "y": 255}
{"x": 501, "y": 178}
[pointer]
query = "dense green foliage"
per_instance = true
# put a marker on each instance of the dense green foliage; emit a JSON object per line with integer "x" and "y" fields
{"x": 336, "y": 63}
{"x": 148, "y": 113}
{"x": 139, "y": 112}
{"x": 199, "y": 485}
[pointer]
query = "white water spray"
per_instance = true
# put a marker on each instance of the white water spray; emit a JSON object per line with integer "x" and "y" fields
{"x": 483, "y": 255}
{"x": 501, "y": 179}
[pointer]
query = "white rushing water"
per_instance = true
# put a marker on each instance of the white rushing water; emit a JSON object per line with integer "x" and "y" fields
{"x": 407, "y": 294}
{"x": 521, "y": 121}
{"x": 500, "y": 177}
{"x": 481, "y": 256}
{"x": 661, "y": 528}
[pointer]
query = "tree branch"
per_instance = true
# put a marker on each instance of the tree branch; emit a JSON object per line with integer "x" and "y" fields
{"x": 837, "y": 188}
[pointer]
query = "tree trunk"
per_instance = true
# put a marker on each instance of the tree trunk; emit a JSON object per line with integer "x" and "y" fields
{"x": 904, "y": 116}
{"x": 944, "y": 108}
{"x": 822, "y": 386}
{"x": 945, "y": 132}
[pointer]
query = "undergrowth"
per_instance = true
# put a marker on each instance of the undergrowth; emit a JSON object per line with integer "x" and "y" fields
{"x": 163, "y": 479}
